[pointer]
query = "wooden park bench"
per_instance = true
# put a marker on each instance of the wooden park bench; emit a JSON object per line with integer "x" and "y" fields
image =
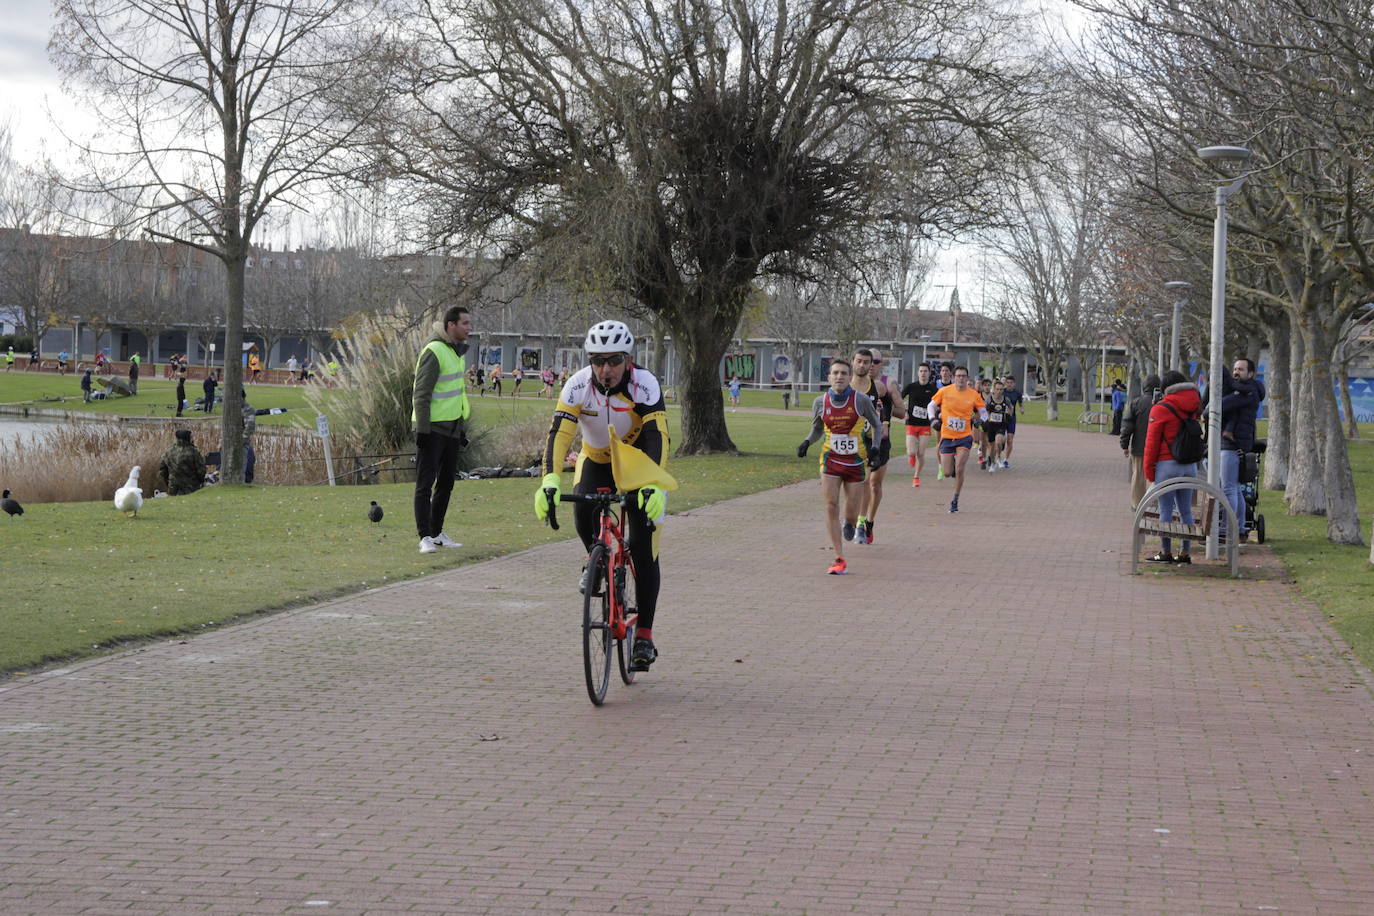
{"x": 1148, "y": 522}
{"x": 1094, "y": 418}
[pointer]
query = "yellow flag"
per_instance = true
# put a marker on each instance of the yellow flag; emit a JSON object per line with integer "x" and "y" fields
{"x": 632, "y": 469}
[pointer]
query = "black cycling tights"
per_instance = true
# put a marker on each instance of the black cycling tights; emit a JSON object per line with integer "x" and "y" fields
{"x": 641, "y": 541}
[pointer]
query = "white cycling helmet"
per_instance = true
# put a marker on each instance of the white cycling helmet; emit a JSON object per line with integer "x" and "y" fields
{"x": 609, "y": 337}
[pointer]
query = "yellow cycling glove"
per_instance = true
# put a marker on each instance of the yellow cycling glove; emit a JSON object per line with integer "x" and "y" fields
{"x": 541, "y": 499}
{"x": 653, "y": 501}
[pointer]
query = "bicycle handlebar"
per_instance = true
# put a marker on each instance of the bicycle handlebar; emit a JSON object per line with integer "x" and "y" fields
{"x": 600, "y": 499}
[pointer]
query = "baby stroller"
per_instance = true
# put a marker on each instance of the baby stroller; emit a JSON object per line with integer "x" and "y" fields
{"x": 1249, "y": 488}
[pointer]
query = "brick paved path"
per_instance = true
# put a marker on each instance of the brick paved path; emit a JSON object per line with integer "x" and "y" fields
{"x": 986, "y": 715}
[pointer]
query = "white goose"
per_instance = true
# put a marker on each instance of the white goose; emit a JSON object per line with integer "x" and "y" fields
{"x": 129, "y": 498}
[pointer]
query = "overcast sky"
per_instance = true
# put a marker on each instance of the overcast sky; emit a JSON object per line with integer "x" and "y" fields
{"x": 29, "y": 85}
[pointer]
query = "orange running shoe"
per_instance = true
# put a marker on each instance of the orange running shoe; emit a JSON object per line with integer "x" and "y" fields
{"x": 839, "y": 568}
{"x": 915, "y": 481}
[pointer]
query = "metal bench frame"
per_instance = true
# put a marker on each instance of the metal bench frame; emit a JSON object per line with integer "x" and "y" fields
{"x": 1216, "y": 500}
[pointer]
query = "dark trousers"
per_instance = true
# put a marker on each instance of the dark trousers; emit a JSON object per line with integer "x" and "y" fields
{"x": 435, "y": 467}
{"x": 641, "y": 541}
{"x": 1116, "y": 421}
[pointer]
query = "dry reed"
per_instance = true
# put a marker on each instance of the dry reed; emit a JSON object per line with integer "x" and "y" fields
{"x": 84, "y": 462}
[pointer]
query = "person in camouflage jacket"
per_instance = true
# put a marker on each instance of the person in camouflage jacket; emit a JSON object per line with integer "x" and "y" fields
{"x": 183, "y": 466}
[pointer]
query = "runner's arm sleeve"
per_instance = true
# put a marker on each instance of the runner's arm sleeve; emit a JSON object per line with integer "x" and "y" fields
{"x": 653, "y": 431}
{"x": 560, "y": 438}
{"x": 426, "y": 377}
{"x": 817, "y": 424}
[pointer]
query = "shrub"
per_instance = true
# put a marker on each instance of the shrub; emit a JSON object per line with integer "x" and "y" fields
{"x": 22, "y": 343}
{"x": 368, "y": 399}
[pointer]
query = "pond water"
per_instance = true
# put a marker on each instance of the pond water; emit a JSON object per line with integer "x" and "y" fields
{"x": 14, "y": 428}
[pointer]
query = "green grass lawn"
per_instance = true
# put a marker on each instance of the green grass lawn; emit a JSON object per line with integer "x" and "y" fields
{"x": 81, "y": 579}
{"x": 1339, "y": 579}
{"x": 155, "y": 398}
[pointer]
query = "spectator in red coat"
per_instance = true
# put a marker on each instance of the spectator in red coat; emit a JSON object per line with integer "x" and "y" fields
{"x": 1181, "y": 400}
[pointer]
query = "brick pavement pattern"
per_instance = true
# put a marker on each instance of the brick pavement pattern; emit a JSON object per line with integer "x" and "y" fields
{"x": 986, "y": 715}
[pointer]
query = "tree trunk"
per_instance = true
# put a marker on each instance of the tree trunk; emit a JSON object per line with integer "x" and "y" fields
{"x": 231, "y": 423}
{"x": 1278, "y": 404}
{"x": 1052, "y": 398}
{"x": 1338, "y": 480}
{"x": 1304, "y": 494}
{"x": 1352, "y": 428}
{"x": 701, "y": 349}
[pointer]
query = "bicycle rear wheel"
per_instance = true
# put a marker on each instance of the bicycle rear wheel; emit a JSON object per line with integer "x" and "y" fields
{"x": 625, "y": 647}
{"x": 596, "y": 630}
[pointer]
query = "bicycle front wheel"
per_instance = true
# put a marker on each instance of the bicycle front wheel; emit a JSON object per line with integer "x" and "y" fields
{"x": 624, "y": 647}
{"x": 596, "y": 625}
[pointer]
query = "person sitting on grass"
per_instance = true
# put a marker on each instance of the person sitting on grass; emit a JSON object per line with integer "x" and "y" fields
{"x": 182, "y": 466}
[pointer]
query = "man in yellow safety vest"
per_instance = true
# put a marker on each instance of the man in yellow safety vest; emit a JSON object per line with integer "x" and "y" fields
{"x": 440, "y": 414}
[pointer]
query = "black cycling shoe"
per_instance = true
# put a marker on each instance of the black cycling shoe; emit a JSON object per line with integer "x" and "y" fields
{"x": 1184, "y": 559}
{"x": 644, "y": 655}
{"x": 1161, "y": 557}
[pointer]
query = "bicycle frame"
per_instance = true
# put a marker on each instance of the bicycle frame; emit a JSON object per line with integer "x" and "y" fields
{"x": 610, "y": 532}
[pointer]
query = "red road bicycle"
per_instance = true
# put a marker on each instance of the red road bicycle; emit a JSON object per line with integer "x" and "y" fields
{"x": 607, "y": 579}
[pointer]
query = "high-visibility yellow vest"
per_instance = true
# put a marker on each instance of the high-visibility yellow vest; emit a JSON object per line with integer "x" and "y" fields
{"x": 450, "y": 398}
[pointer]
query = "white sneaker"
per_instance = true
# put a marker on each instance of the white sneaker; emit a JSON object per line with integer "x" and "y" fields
{"x": 992, "y": 467}
{"x": 427, "y": 545}
{"x": 443, "y": 540}
{"x": 1006, "y": 464}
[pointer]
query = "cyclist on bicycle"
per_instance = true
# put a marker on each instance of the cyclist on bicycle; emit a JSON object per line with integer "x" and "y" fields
{"x": 613, "y": 394}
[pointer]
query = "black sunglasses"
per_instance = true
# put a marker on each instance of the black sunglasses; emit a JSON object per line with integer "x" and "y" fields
{"x": 615, "y": 359}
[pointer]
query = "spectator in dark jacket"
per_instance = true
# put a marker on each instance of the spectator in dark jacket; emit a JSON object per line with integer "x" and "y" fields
{"x": 1240, "y": 401}
{"x": 1180, "y": 401}
{"x": 86, "y": 387}
{"x": 1133, "y": 424}
{"x": 208, "y": 386}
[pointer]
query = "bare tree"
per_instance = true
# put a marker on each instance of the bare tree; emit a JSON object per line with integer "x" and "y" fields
{"x": 218, "y": 111}
{"x": 678, "y": 152}
{"x": 1286, "y": 78}
{"x": 1051, "y": 251}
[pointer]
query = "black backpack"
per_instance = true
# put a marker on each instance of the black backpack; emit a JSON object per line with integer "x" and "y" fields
{"x": 1188, "y": 446}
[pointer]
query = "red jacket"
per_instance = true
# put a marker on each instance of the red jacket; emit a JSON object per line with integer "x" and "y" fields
{"x": 1163, "y": 427}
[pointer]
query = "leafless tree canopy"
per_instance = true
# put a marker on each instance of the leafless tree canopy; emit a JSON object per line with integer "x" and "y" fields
{"x": 677, "y": 151}
{"x": 214, "y": 112}
{"x": 1289, "y": 79}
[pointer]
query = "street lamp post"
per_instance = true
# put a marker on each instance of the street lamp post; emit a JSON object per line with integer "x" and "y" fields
{"x": 1102, "y": 382}
{"x": 925, "y": 339}
{"x": 1181, "y": 287}
{"x": 1159, "y": 357}
{"x": 1224, "y": 192}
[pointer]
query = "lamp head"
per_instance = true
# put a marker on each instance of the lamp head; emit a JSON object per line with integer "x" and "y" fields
{"x": 1178, "y": 286}
{"x": 1224, "y": 153}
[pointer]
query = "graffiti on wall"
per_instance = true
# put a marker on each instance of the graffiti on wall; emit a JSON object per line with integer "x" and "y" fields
{"x": 741, "y": 364}
{"x": 1115, "y": 373}
{"x": 530, "y": 358}
{"x": 1361, "y": 398}
{"x": 782, "y": 368}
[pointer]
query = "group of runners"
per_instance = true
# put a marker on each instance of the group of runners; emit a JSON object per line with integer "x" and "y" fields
{"x": 851, "y": 421}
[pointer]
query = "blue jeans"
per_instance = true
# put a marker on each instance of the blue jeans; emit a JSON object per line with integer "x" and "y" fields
{"x": 1179, "y": 501}
{"x": 1230, "y": 485}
